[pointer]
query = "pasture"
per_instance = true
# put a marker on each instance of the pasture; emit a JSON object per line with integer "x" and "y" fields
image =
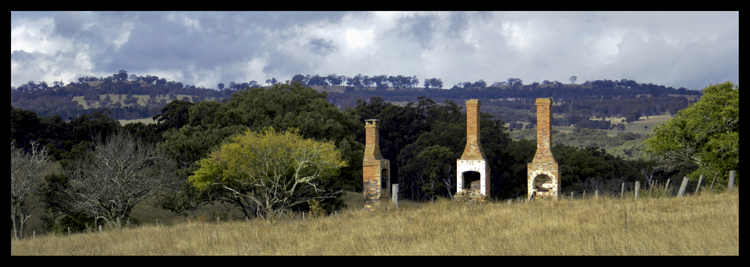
{"x": 114, "y": 98}
{"x": 702, "y": 224}
{"x": 634, "y": 127}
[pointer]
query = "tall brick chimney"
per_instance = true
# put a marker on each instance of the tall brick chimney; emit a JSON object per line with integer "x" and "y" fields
{"x": 473, "y": 149}
{"x": 372, "y": 140}
{"x": 375, "y": 169}
{"x": 543, "y": 171}
{"x": 472, "y": 170}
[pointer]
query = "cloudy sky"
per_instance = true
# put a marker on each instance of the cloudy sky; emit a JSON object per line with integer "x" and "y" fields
{"x": 678, "y": 49}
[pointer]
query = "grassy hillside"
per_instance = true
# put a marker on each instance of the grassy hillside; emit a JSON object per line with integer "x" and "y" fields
{"x": 634, "y": 127}
{"x": 142, "y": 99}
{"x": 704, "y": 224}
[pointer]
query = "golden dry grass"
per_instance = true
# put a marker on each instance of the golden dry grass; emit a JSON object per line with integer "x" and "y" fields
{"x": 705, "y": 224}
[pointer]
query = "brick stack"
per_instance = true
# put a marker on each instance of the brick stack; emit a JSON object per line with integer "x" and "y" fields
{"x": 543, "y": 171}
{"x": 373, "y": 167}
{"x": 472, "y": 160}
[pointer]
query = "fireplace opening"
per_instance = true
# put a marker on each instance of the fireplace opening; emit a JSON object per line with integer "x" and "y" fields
{"x": 472, "y": 182}
{"x": 543, "y": 184}
{"x": 385, "y": 181}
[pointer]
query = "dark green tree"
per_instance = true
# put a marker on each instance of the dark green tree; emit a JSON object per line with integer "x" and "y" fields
{"x": 282, "y": 106}
{"x": 705, "y": 135}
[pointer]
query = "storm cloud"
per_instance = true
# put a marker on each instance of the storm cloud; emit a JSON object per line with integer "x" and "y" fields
{"x": 679, "y": 49}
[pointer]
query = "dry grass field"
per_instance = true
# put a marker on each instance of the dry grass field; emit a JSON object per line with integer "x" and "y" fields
{"x": 635, "y": 127}
{"x": 703, "y": 224}
{"x": 142, "y": 99}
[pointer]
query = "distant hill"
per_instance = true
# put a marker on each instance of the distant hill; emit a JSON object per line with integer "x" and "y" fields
{"x": 574, "y": 103}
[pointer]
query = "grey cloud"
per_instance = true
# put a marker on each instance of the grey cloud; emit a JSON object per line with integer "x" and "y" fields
{"x": 321, "y": 46}
{"x": 681, "y": 49}
{"x": 418, "y": 28}
{"x": 280, "y": 63}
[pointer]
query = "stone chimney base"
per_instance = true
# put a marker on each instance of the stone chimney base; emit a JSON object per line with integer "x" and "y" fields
{"x": 473, "y": 180}
{"x": 543, "y": 181}
{"x": 376, "y": 182}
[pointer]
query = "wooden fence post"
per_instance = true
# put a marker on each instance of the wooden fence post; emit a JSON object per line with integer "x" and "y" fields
{"x": 394, "y": 195}
{"x": 596, "y": 193}
{"x": 651, "y": 186}
{"x": 584, "y": 194}
{"x": 683, "y": 186}
{"x": 637, "y": 188}
{"x": 697, "y": 188}
{"x": 68, "y": 230}
{"x": 622, "y": 191}
{"x": 666, "y": 186}
{"x": 712, "y": 183}
{"x": 730, "y": 184}
{"x": 100, "y": 228}
{"x": 571, "y": 195}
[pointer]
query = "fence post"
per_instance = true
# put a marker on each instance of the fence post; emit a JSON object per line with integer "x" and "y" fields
{"x": 100, "y": 228}
{"x": 637, "y": 188}
{"x": 571, "y": 195}
{"x": 622, "y": 191}
{"x": 596, "y": 193}
{"x": 666, "y": 186}
{"x": 68, "y": 230}
{"x": 730, "y": 184}
{"x": 584, "y": 194}
{"x": 697, "y": 188}
{"x": 712, "y": 183}
{"x": 651, "y": 186}
{"x": 394, "y": 195}
{"x": 683, "y": 186}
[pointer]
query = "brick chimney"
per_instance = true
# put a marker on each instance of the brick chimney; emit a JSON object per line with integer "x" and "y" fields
{"x": 473, "y": 149}
{"x": 372, "y": 140}
{"x": 543, "y": 131}
{"x": 375, "y": 169}
{"x": 472, "y": 170}
{"x": 543, "y": 171}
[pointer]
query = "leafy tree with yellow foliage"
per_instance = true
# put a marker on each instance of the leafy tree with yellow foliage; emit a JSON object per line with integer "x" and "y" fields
{"x": 271, "y": 171}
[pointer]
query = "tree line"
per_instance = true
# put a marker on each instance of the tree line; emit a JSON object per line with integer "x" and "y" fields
{"x": 57, "y": 99}
{"x": 422, "y": 139}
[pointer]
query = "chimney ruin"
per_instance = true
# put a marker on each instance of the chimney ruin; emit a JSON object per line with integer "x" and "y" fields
{"x": 472, "y": 170}
{"x": 543, "y": 172}
{"x": 375, "y": 169}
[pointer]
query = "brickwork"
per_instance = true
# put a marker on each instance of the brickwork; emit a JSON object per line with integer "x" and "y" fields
{"x": 375, "y": 169}
{"x": 543, "y": 171}
{"x": 472, "y": 160}
{"x": 473, "y": 149}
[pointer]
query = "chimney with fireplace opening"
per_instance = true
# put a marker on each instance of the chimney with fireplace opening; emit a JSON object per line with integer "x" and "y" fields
{"x": 375, "y": 169}
{"x": 472, "y": 170}
{"x": 543, "y": 180}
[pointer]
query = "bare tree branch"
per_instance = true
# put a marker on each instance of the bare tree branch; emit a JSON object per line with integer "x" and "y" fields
{"x": 118, "y": 174}
{"x": 26, "y": 172}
